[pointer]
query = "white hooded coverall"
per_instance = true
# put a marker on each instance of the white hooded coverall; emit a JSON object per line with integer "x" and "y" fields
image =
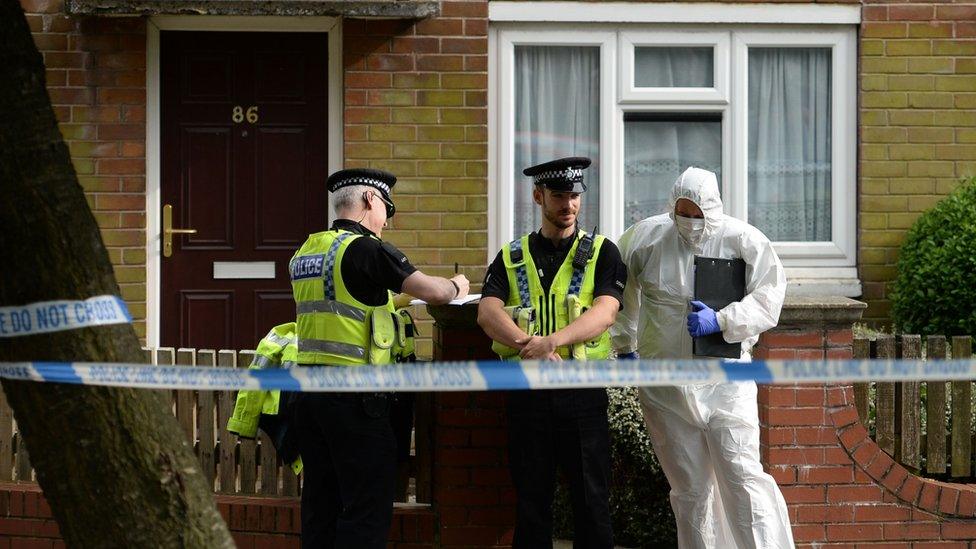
{"x": 705, "y": 436}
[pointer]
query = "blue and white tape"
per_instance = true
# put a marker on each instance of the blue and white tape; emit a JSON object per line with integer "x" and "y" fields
{"x": 56, "y": 316}
{"x": 486, "y": 375}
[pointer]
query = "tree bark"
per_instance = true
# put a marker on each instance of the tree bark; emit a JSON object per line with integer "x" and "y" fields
{"x": 113, "y": 463}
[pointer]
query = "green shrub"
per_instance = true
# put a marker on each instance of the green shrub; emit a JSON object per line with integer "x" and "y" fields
{"x": 639, "y": 504}
{"x": 935, "y": 290}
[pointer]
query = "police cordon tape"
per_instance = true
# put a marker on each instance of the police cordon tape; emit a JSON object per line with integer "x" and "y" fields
{"x": 489, "y": 375}
{"x": 57, "y": 316}
{"x": 485, "y": 375}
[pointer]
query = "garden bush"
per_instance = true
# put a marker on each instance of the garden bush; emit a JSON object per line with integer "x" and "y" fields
{"x": 935, "y": 289}
{"x": 639, "y": 504}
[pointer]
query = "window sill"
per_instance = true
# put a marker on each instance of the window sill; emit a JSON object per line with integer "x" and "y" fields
{"x": 823, "y": 281}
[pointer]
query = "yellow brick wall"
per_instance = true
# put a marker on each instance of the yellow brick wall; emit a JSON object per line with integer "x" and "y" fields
{"x": 917, "y": 126}
{"x": 416, "y": 105}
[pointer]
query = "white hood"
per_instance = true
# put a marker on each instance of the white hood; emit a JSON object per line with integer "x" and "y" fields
{"x": 701, "y": 187}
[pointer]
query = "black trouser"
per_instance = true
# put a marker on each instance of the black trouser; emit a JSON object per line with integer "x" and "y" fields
{"x": 349, "y": 457}
{"x": 568, "y": 429}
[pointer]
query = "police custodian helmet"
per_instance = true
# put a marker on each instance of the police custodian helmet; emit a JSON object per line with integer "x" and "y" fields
{"x": 378, "y": 179}
{"x": 563, "y": 174}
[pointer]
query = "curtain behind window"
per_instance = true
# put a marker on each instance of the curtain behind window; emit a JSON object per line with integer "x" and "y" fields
{"x": 656, "y": 152}
{"x": 686, "y": 67}
{"x": 557, "y": 114}
{"x": 789, "y": 143}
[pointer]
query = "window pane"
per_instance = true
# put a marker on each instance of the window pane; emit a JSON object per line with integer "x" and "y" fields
{"x": 789, "y": 143}
{"x": 673, "y": 67}
{"x": 655, "y": 154}
{"x": 557, "y": 114}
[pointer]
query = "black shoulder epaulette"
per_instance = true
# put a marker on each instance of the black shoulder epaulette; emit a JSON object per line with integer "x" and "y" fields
{"x": 393, "y": 252}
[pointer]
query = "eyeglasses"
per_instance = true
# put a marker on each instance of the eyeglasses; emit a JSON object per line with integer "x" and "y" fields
{"x": 390, "y": 207}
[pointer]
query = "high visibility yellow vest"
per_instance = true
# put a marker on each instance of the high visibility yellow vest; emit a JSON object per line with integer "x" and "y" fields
{"x": 570, "y": 294}
{"x": 278, "y": 349}
{"x": 333, "y": 327}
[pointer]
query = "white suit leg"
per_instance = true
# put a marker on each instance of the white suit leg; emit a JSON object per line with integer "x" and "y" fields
{"x": 682, "y": 451}
{"x": 754, "y": 506}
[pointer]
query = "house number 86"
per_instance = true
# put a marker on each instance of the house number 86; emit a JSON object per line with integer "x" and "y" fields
{"x": 238, "y": 115}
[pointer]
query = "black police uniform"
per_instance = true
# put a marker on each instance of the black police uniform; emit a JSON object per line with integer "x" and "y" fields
{"x": 346, "y": 440}
{"x": 564, "y": 428}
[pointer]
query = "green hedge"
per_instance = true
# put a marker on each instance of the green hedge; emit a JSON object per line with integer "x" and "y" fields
{"x": 639, "y": 504}
{"x": 935, "y": 289}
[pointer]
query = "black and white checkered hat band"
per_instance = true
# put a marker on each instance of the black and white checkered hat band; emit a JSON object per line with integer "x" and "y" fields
{"x": 363, "y": 181}
{"x": 568, "y": 174}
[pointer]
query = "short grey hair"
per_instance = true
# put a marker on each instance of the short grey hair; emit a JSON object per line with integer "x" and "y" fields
{"x": 346, "y": 198}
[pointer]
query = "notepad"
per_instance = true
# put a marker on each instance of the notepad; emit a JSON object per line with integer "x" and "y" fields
{"x": 718, "y": 282}
{"x": 464, "y": 300}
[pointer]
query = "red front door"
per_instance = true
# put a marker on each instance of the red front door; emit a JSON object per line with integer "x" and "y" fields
{"x": 244, "y": 164}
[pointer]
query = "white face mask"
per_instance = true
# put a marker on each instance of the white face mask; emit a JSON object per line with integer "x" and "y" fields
{"x": 691, "y": 229}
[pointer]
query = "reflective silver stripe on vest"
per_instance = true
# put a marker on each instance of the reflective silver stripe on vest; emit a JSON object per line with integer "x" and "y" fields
{"x": 261, "y": 361}
{"x": 288, "y": 364}
{"x": 330, "y": 306}
{"x": 277, "y": 339}
{"x": 331, "y": 347}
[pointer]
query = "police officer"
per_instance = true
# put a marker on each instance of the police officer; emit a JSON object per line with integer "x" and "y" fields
{"x": 552, "y": 295}
{"x": 343, "y": 281}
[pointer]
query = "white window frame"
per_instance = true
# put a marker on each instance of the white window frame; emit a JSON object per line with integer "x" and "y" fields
{"x": 835, "y": 259}
{"x": 501, "y": 197}
{"x": 840, "y": 251}
{"x": 688, "y": 37}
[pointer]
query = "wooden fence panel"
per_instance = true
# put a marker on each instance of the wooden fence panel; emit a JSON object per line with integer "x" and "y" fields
{"x": 268, "y": 464}
{"x": 166, "y": 356}
{"x": 909, "y": 415}
{"x": 23, "y": 465}
{"x": 6, "y": 439}
{"x": 247, "y": 447}
{"x": 227, "y": 469}
{"x": 289, "y": 481}
{"x": 186, "y": 401}
{"x": 232, "y": 465}
{"x": 862, "y": 391}
{"x": 206, "y": 422}
{"x": 962, "y": 406}
{"x": 885, "y": 404}
{"x": 935, "y": 408}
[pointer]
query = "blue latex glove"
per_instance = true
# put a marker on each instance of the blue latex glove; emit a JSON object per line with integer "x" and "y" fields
{"x": 702, "y": 321}
{"x": 628, "y": 356}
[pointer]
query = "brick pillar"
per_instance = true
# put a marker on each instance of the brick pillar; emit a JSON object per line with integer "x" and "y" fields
{"x": 810, "y": 328}
{"x": 472, "y": 491}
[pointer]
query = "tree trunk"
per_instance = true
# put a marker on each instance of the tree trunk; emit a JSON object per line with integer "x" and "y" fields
{"x": 113, "y": 463}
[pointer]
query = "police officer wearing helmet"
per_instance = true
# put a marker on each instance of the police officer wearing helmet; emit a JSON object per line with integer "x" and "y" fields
{"x": 343, "y": 281}
{"x": 552, "y": 295}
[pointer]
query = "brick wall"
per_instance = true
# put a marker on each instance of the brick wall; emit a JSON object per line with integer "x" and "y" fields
{"x": 841, "y": 488}
{"x": 918, "y": 125}
{"x": 416, "y": 105}
{"x": 96, "y": 78}
{"x": 472, "y": 489}
{"x": 255, "y": 522}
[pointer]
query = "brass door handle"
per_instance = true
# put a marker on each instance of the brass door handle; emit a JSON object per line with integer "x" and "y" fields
{"x": 169, "y": 231}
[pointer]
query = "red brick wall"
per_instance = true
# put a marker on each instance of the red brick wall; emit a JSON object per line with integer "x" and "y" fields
{"x": 841, "y": 488}
{"x": 473, "y": 493}
{"x": 255, "y": 522}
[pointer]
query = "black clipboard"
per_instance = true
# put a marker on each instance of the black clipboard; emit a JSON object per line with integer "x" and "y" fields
{"x": 718, "y": 282}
